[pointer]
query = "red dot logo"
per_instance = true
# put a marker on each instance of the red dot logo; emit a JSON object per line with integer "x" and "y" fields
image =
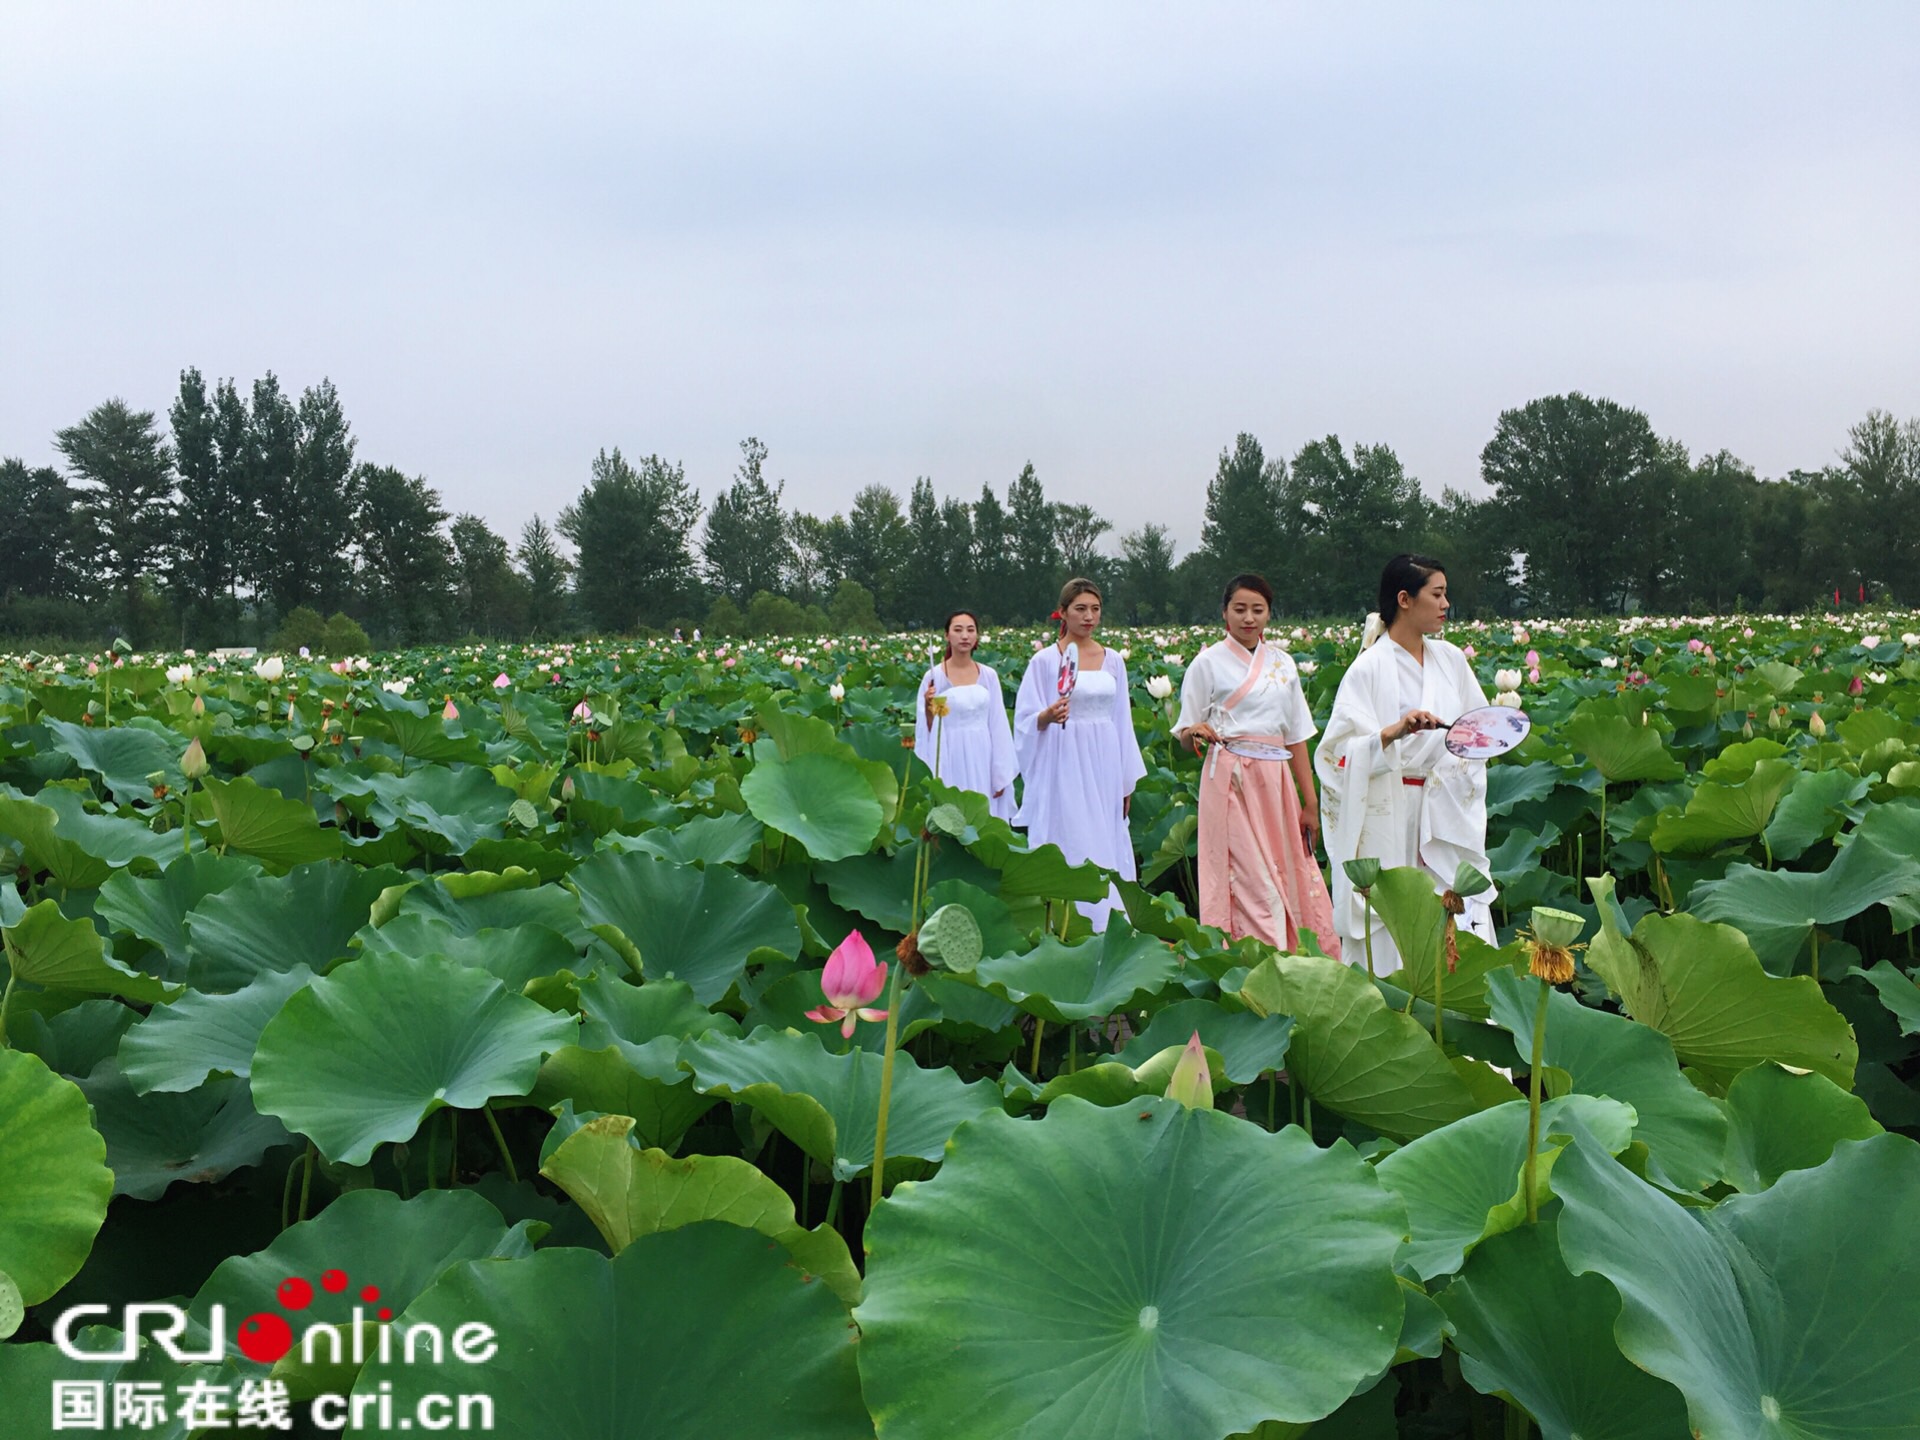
{"x": 334, "y": 1281}
{"x": 294, "y": 1293}
{"x": 370, "y": 1293}
{"x": 265, "y": 1338}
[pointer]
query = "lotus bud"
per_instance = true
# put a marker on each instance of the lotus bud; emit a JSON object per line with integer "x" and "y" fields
{"x": 1551, "y": 943}
{"x": 193, "y": 764}
{"x": 1192, "y": 1082}
{"x": 1159, "y": 687}
{"x": 1746, "y": 730}
{"x": 1506, "y": 680}
{"x": 199, "y": 707}
{"x": 451, "y": 711}
{"x": 1816, "y": 726}
{"x": 567, "y": 791}
{"x": 1363, "y": 874}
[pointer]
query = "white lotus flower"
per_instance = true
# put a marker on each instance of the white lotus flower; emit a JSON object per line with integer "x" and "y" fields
{"x": 271, "y": 668}
{"x": 1872, "y": 642}
{"x": 1159, "y": 687}
{"x": 1607, "y": 662}
{"x": 837, "y": 691}
{"x": 1506, "y": 681}
{"x": 1507, "y": 698}
{"x": 179, "y": 674}
{"x": 1878, "y": 677}
{"x": 1173, "y": 659}
{"x": 363, "y": 665}
{"x": 1307, "y": 667}
{"x": 395, "y": 687}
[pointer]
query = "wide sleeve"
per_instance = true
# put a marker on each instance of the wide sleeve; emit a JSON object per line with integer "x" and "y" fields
{"x": 1293, "y": 702}
{"x": 1196, "y": 693}
{"x": 1003, "y": 765}
{"x": 1133, "y": 767}
{"x": 922, "y": 731}
{"x": 1344, "y": 762}
{"x": 1035, "y": 694}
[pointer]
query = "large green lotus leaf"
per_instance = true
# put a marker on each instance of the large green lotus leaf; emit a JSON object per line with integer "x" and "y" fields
{"x": 1814, "y": 808}
{"x": 1787, "y": 1315}
{"x": 307, "y": 916}
{"x": 375, "y": 1238}
{"x": 646, "y": 1023}
{"x": 829, "y": 1105}
{"x": 76, "y": 1038}
{"x": 704, "y": 840}
{"x": 1463, "y": 1182}
{"x": 1249, "y": 1045}
{"x": 1779, "y": 909}
{"x": 277, "y": 831}
{"x": 48, "y": 949}
{"x": 1718, "y": 813}
{"x": 516, "y": 956}
{"x": 788, "y": 736}
{"x": 78, "y": 848}
{"x": 1528, "y": 1329}
{"x": 880, "y": 886}
{"x": 156, "y": 907}
{"x": 1110, "y": 1251}
{"x": 1410, "y": 908}
{"x": 673, "y": 922}
{"x": 1044, "y": 872}
{"x": 609, "y": 804}
{"x": 628, "y": 1192}
{"x": 605, "y": 1082}
{"x": 1897, "y": 992}
{"x": 459, "y": 805}
{"x": 472, "y": 901}
{"x": 1601, "y": 1053}
{"x": 1509, "y": 784}
{"x": 823, "y": 801}
{"x": 367, "y": 1053}
{"x": 420, "y": 732}
{"x": 179, "y": 1046}
{"x": 1619, "y": 749}
{"x": 155, "y": 1140}
{"x": 1352, "y": 1054}
{"x": 122, "y": 755}
{"x": 28, "y": 1373}
{"x": 54, "y": 1181}
{"x": 705, "y": 1330}
{"x": 1701, "y": 987}
{"x": 1782, "y": 1121}
{"x": 1108, "y": 973}
{"x": 1742, "y": 760}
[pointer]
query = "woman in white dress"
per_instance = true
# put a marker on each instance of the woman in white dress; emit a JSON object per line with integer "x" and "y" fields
{"x": 1390, "y": 790}
{"x": 1243, "y": 711}
{"x": 1079, "y": 757}
{"x": 970, "y": 746}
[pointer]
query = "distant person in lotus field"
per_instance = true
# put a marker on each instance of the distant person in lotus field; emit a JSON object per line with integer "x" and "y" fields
{"x": 1391, "y": 790}
{"x": 1079, "y": 757}
{"x": 960, "y": 728}
{"x": 1243, "y": 711}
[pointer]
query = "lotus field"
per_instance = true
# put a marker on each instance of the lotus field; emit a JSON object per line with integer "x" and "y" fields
{"x": 490, "y": 987}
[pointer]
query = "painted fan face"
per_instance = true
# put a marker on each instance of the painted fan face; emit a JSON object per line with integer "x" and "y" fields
{"x": 1488, "y": 731}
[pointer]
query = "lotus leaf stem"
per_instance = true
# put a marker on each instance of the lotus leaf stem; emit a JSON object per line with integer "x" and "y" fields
{"x": 433, "y": 1156}
{"x": 1533, "y": 1102}
{"x": 1366, "y": 900}
{"x": 833, "y": 1203}
{"x": 6, "y": 997}
{"x": 1813, "y": 936}
{"x": 306, "y": 1181}
{"x": 1039, "y": 1025}
{"x": 886, "y": 1088}
{"x": 493, "y": 1124}
{"x": 453, "y": 1146}
{"x": 286, "y": 1194}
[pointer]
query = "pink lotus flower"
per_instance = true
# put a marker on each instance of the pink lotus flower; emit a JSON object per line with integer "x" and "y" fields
{"x": 1533, "y": 659}
{"x": 1855, "y": 686}
{"x": 452, "y": 712}
{"x": 1696, "y": 645}
{"x": 1468, "y": 651}
{"x": 583, "y": 711}
{"x": 1533, "y": 675}
{"x": 500, "y": 681}
{"x": 851, "y": 982}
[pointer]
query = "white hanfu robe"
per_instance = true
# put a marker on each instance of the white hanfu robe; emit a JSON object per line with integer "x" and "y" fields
{"x": 1077, "y": 776}
{"x": 971, "y": 746}
{"x": 1408, "y": 802}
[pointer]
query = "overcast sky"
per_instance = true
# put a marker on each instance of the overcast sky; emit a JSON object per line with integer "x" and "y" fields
{"x": 897, "y": 240}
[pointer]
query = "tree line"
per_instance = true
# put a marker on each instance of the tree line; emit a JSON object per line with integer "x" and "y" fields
{"x": 250, "y": 513}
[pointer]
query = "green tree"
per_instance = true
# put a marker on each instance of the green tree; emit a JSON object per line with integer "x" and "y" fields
{"x": 851, "y": 611}
{"x": 302, "y": 484}
{"x": 1577, "y": 484}
{"x": 956, "y": 529}
{"x": 993, "y": 572}
{"x": 1869, "y": 532}
{"x": 405, "y": 569}
{"x": 1358, "y": 511}
{"x": 545, "y": 570}
{"x": 1039, "y": 570}
{"x": 926, "y": 589}
{"x": 630, "y": 529}
{"x": 746, "y": 549}
{"x": 214, "y": 519}
{"x": 1147, "y": 575}
{"x": 1079, "y": 530}
{"x": 39, "y": 520}
{"x": 489, "y": 598}
{"x": 879, "y": 547}
{"x": 117, "y": 452}
{"x": 816, "y": 546}
{"x": 1245, "y": 522}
